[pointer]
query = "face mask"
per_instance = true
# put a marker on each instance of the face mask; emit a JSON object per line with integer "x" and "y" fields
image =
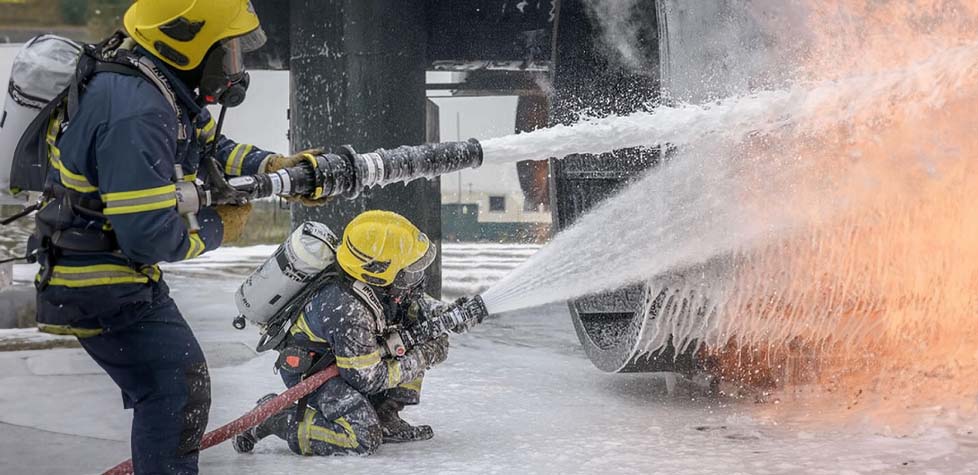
{"x": 412, "y": 294}
{"x": 224, "y": 80}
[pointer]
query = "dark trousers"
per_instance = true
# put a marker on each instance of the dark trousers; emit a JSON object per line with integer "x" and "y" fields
{"x": 337, "y": 420}
{"x": 160, "y": 368}
{"x": 340, "y": 420}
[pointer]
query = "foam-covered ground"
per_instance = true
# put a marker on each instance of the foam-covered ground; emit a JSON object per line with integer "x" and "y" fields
{"x": 515, "y": 396}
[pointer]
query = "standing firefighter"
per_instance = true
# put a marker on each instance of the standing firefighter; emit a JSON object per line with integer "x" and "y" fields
{"x": 382, "y": 260}
{"x": 134, "y": 127}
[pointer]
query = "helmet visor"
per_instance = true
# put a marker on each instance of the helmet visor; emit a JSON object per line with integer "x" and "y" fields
{"x": 412, "y": 275}
{"x": 235, "y": 48}
{"x": 252, "y": 41}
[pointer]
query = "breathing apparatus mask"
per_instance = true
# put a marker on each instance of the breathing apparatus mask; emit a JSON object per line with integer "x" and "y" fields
{"x": 224, "y": 80}
{"x": 410, "y": 280}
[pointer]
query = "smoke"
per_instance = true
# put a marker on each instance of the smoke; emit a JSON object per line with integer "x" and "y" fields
{"x": 705, "y": 50}
{"x": 625, "y": 26}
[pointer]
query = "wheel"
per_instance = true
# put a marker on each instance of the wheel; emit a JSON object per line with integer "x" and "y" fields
{"x": 616, "y": 328}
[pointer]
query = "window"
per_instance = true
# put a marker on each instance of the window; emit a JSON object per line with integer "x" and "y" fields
{"x": 497, "y": 204}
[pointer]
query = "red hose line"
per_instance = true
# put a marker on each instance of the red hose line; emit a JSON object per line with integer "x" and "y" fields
{"x": 253, "y": 417}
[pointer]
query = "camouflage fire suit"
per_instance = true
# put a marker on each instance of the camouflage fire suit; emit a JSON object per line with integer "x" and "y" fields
{"x": 345, "y": 319}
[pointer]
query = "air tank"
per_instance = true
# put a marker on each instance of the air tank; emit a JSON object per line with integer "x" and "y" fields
{"x": 309, "y": 250}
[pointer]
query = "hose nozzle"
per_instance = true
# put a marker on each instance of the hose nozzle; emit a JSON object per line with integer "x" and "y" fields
{"x": 463, "y": 314}
{"x": 456, "y": 317}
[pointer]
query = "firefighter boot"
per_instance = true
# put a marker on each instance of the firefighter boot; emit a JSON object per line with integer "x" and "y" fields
{"x": 396, "y": 429}
{"x": 277, "y": 425}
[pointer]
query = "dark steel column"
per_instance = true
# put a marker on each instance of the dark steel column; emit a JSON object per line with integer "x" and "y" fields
{"x": 358, "y": 77}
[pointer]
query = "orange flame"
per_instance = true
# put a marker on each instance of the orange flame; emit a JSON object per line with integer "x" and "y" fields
{"x": 878, "y": 297}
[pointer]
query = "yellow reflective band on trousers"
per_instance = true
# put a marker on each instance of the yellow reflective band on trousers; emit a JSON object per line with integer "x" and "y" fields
{"x": 393, "y": 373}
{"x": 206, "y": 133}
{"x": 358, "y": 362}
{"x": 196, "y": 246}
{"x": 69, "y": 330}
{"x": 138, "y": 201}
{"x": 412, "y": 385}
{"x": 102, "y": 274}
{"x": 302, "y": 327}
{"x": 236, "y": 159}
{"x": 308, "y": 432}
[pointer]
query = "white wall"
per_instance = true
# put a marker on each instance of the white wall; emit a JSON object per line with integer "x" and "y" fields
{"x": 462, "y": 118}
{"x": 482, "y": 118}
{"x": 513, "y": 213}
{"x": 262, "y": 120}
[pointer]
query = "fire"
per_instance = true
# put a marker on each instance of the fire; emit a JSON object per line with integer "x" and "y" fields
{"x": 877, "y": 297}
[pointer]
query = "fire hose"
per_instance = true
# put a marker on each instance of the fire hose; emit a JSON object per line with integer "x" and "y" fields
{"x": 459, "y": 316}
{"x": 327, "y": 175}
{"x": 253, "y": 417}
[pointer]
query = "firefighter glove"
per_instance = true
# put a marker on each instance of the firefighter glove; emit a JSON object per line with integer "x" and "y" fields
{"x": 234, "y": 217}
{"x": 433, "y": 352}
{"x": 277, "y": 162}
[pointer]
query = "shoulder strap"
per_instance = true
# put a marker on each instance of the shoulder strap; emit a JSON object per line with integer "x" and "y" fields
{"x": 369, "y": 298}
{"x": 277, "y": 327}
{"x": 103, "y": 66}
{"x": 133, "y": 64}
{"x": 30, "y": 165}
{"x": 83, "y": 72}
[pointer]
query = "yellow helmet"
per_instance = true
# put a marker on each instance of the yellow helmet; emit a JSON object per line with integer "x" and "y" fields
{"x": 181, "y": 32}
{"x": 383, "y": 249}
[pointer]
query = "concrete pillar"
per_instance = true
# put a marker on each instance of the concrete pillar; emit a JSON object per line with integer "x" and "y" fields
{"x": 357, "y": 72}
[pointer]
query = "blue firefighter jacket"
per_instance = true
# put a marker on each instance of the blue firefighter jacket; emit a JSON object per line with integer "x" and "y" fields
{"x": 121, "y": 147}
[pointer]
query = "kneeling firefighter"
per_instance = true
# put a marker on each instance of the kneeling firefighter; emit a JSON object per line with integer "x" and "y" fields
{"x": 129, "y": 128}
{"x": 377, "y": 284}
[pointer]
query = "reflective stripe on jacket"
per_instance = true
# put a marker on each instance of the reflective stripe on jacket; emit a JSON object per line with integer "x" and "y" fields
{"x": 121, "y": 148}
